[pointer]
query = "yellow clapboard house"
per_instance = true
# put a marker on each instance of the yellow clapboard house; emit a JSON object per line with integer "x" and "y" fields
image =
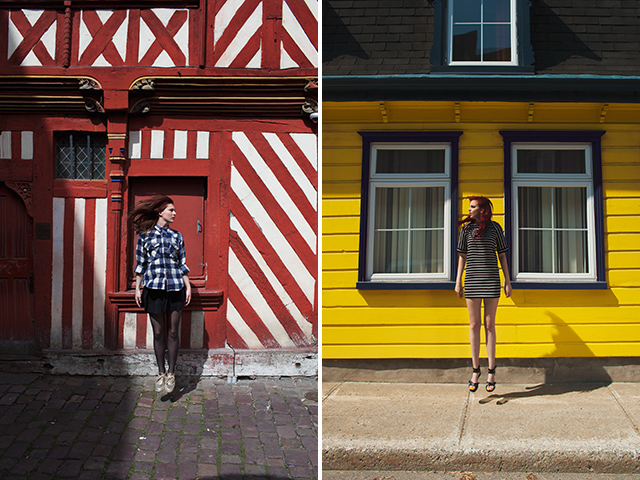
{"x": 553, "y": 140}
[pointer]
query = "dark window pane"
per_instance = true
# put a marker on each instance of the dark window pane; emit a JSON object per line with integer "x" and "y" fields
{"x": 551, "y": 161}
{"x": 466, "y": 11}
{"x": 497, "y": 43}
{"x": 466, "y": 43}
{"x": 497, "y": 11}
{"x": 410, "y": 161}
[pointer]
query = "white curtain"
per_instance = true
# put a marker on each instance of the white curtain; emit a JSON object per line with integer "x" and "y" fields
{"x": 409, "y": 230}
{"x": 552, "y": 229}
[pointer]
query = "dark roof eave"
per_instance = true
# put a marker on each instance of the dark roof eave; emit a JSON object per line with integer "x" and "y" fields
{"x": 529, "y": 88}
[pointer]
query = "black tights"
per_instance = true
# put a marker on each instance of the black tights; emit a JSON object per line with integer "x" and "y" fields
{"x": 173, "y": 341}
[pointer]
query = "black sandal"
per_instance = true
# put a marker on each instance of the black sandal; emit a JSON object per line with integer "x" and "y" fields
{"x": 491, "y": 386}
{"x": 473, "y": 386}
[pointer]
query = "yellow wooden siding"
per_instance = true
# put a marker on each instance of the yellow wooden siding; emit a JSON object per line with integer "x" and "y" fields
{"x": 434, "y": 323}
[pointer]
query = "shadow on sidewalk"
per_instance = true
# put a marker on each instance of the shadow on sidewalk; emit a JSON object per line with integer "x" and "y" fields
{"x": 546, "y": 389}
{"x": 567, "y": 342}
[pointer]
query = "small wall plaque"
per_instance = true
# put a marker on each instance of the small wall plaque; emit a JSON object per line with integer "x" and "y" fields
{"x": 43, "y": 231}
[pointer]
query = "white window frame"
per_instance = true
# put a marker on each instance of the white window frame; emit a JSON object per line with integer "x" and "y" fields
{"x": 514, "y": 39}
{"x": 385, "y": 180}
{"x": 557, "y": 180}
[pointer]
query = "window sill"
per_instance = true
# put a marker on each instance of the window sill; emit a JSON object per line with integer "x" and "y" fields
{"x": 559, "y": 285}
{"x": 80, "y": 188}
{"x": 405, "y": 285}
{"x": 481, "y": 70}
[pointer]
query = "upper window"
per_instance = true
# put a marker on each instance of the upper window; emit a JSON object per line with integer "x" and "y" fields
{"x": 81, "y": 156}
{"x": 555, "y": 210}
{"x": 482, "y": 36}
{"x": 407, "y": 209}
{"x": 482, "y": 32}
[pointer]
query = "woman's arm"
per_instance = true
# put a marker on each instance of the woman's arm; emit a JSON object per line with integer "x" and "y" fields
{"x": 138, "y": 290}
{"x": 187, "y": 286}
{"x": 462, "y": 261}
{"x": 507, "y": 277}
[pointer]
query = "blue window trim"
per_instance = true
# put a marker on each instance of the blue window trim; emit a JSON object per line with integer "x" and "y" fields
{"x": 402, "y": 138}
{"x": 592, "y": 137}
{"x": 439, "y": 50}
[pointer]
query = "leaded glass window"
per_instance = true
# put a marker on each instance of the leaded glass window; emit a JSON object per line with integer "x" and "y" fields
{"x": 81, "y": 156}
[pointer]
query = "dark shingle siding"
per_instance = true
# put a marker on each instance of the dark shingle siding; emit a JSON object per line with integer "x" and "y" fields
{"x": 586, "y": 37}
{"x": 386, "y": 37}
{"x": 376, "y": 37}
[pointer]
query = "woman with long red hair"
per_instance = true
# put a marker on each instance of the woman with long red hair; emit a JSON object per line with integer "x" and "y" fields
{"x": 479, "y": 242}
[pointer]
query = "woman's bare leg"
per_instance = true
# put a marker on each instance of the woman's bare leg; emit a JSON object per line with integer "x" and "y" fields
{"x": 474, "y": 306}
{"x": 490, "y": 309}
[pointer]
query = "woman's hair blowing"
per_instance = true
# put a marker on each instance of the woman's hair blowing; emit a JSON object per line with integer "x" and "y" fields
{"x": 486, "y": 212}
{"x": 145, "y": 215}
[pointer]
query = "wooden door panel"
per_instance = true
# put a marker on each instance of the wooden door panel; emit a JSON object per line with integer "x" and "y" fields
{"x": 16, "y": 269}
{"x": 189, "y": 197}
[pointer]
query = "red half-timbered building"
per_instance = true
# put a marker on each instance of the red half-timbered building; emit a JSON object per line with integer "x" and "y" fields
{"x": 212, "y": 102}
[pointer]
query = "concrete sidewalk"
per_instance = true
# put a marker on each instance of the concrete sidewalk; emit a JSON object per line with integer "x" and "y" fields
{"x": 102, "y": 428}
{"x": 442, "y": 427}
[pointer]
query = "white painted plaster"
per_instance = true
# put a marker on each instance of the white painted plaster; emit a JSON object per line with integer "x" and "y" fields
{"x": 284, "y": 297}
{"x": 99, "y": 272}
{"x": 276, "y": 239}
{"x": 57, "y": 270}
{"x": 27, "y": 145}
{"x": 275, "y": 187}
{"x": 78, "y": 272}
{"x": 241, "y": 327}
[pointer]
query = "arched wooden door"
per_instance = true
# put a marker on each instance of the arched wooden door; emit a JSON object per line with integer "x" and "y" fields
{"x": 17, "y": 329}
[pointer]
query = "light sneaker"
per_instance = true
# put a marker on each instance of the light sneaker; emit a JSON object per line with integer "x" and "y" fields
{"x": 160, "y": 382}
{"x": 170, "y": 382}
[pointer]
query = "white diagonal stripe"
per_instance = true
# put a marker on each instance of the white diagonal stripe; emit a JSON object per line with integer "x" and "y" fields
{"x": 240, "y": 326}
{"x": 292, "y": 25}
{"x": 276, "y": 239}
{"x": 253, "y": 295}
{"x": 241, "y": 38}
{"x": 308, "y": 143}
{"x": 300, "y": 319}
{"x": 273, "y": 184}
{"x": 292, "y": 166}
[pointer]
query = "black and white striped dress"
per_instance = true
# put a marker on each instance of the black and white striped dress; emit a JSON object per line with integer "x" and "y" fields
{"x": 483, "y": 276}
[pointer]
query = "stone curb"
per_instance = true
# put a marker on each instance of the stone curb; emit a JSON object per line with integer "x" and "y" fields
{"x": 580, "y": 461}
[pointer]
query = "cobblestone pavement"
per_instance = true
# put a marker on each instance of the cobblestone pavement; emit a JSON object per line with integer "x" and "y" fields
{"x": 55, "y": 427}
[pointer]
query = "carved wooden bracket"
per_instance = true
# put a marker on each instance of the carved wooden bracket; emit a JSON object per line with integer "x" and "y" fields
{"x": 24, "y": 190}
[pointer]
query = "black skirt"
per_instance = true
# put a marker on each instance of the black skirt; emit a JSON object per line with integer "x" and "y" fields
{"x": 161, "y": 301}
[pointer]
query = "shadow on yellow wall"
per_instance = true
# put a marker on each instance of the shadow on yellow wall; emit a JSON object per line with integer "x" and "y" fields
{"x": 576, "y": 376}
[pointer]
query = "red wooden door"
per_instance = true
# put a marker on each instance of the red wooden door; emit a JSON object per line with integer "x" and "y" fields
{"x": 189, "y": 197}
{"x": 17, "y": 331}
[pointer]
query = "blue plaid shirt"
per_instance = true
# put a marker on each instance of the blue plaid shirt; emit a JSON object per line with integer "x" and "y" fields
{"x": 160, "y": 255}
